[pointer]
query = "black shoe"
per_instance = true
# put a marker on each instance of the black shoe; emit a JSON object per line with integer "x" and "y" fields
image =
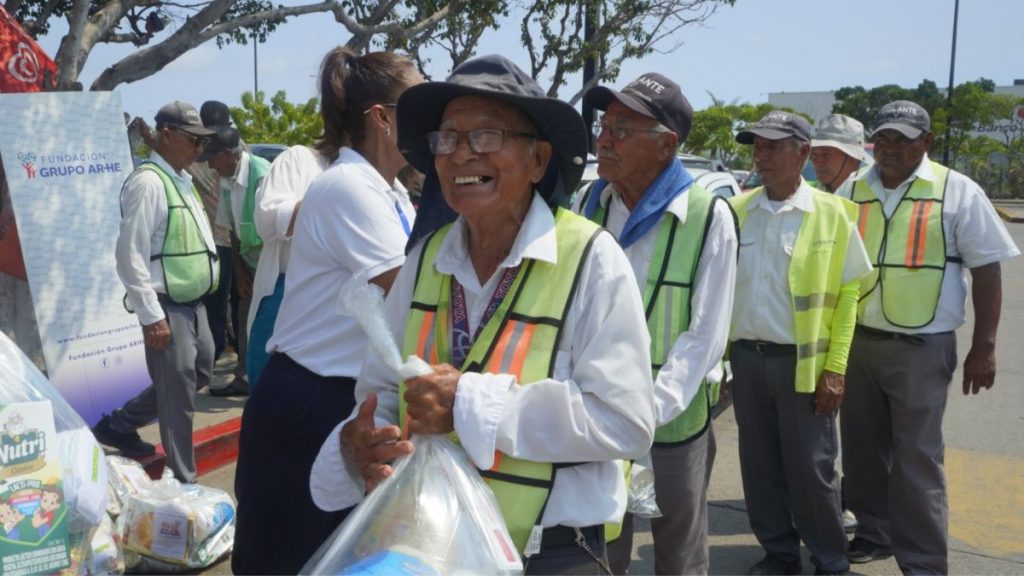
{"x": 237, "y": 387}
{"x": 770, "y": 565}
{"x": 129, "y": 443}
{"x": 823, "y": 572}
{"x": 862, "y": 551}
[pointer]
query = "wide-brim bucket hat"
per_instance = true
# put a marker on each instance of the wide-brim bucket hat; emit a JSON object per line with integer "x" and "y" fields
{"x": 420, "y": 108}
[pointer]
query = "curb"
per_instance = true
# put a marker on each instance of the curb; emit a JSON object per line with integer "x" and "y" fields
{"x": 1008, "y": 216}
{"x": 215, "y": 446}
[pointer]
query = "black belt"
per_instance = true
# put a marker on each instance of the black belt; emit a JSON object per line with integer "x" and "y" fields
{"x": 876, "y": 334}
{"x": 768, "y": 348}
{"x": 559, "y": 536}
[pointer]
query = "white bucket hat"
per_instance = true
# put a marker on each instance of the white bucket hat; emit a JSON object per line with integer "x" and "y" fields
{"x": 842, "y": 132}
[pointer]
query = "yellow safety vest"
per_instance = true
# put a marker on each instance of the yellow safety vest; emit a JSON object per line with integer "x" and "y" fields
{"x": 667, "y": 300}
{"x": 191, "y": 268}
{"x": 907, "y": 249}
{"x": 521, "y": 338}
{"x": 815, "y": 276}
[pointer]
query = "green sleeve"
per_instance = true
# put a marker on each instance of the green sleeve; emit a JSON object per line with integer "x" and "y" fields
{"x": 844, "y": 320}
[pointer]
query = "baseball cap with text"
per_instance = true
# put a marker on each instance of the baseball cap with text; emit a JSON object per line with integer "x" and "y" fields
{"x": 777, "y": 125}
{"x": 651, "y": 95}
{"x": 906, "y": 117}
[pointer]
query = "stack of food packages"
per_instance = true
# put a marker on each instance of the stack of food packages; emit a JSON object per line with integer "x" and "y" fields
{"x": 165, "y": 526}
{"x": 53, "y": 494}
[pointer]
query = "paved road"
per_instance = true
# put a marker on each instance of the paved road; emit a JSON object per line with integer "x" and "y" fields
{"x": 984, "y": 459}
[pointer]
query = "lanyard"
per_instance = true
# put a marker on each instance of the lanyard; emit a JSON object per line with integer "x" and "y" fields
{"x": 462, "y": 342}
{"x": 401, "y": 216}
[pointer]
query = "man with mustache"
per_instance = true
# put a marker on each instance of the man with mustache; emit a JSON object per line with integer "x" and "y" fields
{"x": 923, "y": 225}
{"x": 681, "y": 242}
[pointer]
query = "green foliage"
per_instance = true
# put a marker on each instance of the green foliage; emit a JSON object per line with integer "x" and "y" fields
{"x": 714, "y": 129}
{"x": 258, "y": 31}
{"x": 279, "y": 121}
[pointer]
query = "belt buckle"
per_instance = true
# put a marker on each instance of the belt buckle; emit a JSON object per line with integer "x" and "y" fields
{"x": 760, "y": 347}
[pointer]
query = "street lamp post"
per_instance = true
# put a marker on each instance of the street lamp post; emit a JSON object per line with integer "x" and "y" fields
{"x": 255, "y": 68}
{"x": 949, "y": 92}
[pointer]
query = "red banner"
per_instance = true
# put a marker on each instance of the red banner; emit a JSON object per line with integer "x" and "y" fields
{"x": 23, "y": 64}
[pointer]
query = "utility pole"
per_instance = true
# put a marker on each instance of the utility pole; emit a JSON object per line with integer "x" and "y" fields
{"x": 255, "y": 68}
{"x": 949, "y": 92}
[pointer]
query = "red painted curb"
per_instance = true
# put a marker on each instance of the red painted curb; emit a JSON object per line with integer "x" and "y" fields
{"x": 215, "y": 446}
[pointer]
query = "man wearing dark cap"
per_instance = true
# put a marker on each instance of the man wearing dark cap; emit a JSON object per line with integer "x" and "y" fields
{"x": 681, "y": 243}
{"x": 166, "y": 277}
{"x": 241, "y": 173}
{"x": 923, "y": 224}
{"x": 792, "y": 323}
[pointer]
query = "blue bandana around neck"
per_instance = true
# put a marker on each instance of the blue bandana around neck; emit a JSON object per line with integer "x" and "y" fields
{"x": 673, "y": 181}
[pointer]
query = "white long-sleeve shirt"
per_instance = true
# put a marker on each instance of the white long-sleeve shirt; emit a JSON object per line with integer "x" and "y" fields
{"x": 284, "y": 184}
{"x": 597, "y": 407}
{"x": 698, "y": 350}
{"x": 142, "y": 232}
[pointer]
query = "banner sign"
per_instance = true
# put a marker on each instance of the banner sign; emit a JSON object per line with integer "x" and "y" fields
{"x": 66, "y": 156}
{"x": 24, "y": 67}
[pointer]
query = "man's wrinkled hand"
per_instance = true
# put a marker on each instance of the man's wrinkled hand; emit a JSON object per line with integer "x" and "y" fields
{"x": 979, "y": 370}
{"x": 369, "y": 449}
{"x": 828, "y": 394}
{"x": 430, "y": 400}
{"x": 157, "y": 335}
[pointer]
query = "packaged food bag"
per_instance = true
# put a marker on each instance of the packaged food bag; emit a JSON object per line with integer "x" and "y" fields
{"x": 174, "y": 527}
{"x": 105, "y": 554}
{"x": 53, "y": 492}
{"x": 641, "y": 497}
{"x": 433, "y": 516}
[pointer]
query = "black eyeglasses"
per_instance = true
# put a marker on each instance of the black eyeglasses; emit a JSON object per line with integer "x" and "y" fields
{"x": 384, "y": 104}
{"x": 197, "y": 141}
{"x": 481, "y": 140}
{"x": 621, "y": 132}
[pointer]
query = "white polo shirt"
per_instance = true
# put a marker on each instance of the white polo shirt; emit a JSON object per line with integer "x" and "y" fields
{"x": 763, "y": 308}
{"x": 348, "y": 224}
{"x": 973, "y": 233}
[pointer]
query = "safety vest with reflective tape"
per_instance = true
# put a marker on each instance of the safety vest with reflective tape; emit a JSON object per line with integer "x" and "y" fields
{"x": 521, "y": 338}
{"x": 249, "y": 242}
{"x": 667, "y": 299}
{"x": 191, "y": 269}
{"x": 907, "y": 249}
{"x": 815, "y": 276}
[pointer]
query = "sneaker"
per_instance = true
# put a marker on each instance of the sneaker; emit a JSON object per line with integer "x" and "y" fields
{"x": 237, "y": 387}
{"x": 862, "y": 551}
{"x": 129, "y": 443}
{"x": 771, "y": 565}
{"x": 849, "y": 522}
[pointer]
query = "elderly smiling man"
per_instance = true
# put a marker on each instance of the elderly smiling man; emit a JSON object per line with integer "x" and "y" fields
{"x": 517, "y": 297}
{"x": 681, "y": 242}
{"x": 792, "y": 323}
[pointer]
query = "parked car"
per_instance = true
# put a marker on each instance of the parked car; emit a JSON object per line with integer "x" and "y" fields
{"x": 740, "y": 175}
{"x": 722, "y": 184}
{"x": 268, "y": 151}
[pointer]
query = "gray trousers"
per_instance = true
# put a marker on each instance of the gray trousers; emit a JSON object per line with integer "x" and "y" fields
{"x": 185, "y": 366}
{"x": 242, "y": 337}
{"x": 896, "y": 392}
{"x": 787, "y": 461}
{"x": 681, "y": 477}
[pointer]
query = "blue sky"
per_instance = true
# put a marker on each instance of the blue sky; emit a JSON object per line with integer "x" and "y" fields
{"x": 744, "y": 52}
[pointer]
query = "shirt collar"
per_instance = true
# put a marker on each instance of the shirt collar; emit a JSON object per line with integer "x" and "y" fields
{"x": 802, "y": 199}
{"x": 182, "y": 176}
{"x": 242, "y": 172}
{"x": 354, "y": 160}
{"x": 536, "y": 240}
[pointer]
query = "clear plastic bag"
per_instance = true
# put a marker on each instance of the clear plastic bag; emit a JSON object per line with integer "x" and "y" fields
{"x": 83, "y": 475}
{"x": 434, "y": 515}
{"x": 642, "y": 502}
{"x": 173, "y": 527}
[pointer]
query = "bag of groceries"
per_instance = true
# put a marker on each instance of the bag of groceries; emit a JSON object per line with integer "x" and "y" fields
{"x": 434, "y": 515}
{"x": 53, "y": 479}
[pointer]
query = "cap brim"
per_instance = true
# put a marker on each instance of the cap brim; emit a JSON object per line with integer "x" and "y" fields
{"x": 196, "y": 130}
{"x": 908, "y": 131}
{"x": 747, "y": 136}
{"x": 601, "y": 97}
{"x": 420, "y": 108}
{"x": 848, "y": 149}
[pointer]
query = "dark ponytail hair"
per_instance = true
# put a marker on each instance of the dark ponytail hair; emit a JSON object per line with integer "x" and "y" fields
{"x": 349, "y": 84}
